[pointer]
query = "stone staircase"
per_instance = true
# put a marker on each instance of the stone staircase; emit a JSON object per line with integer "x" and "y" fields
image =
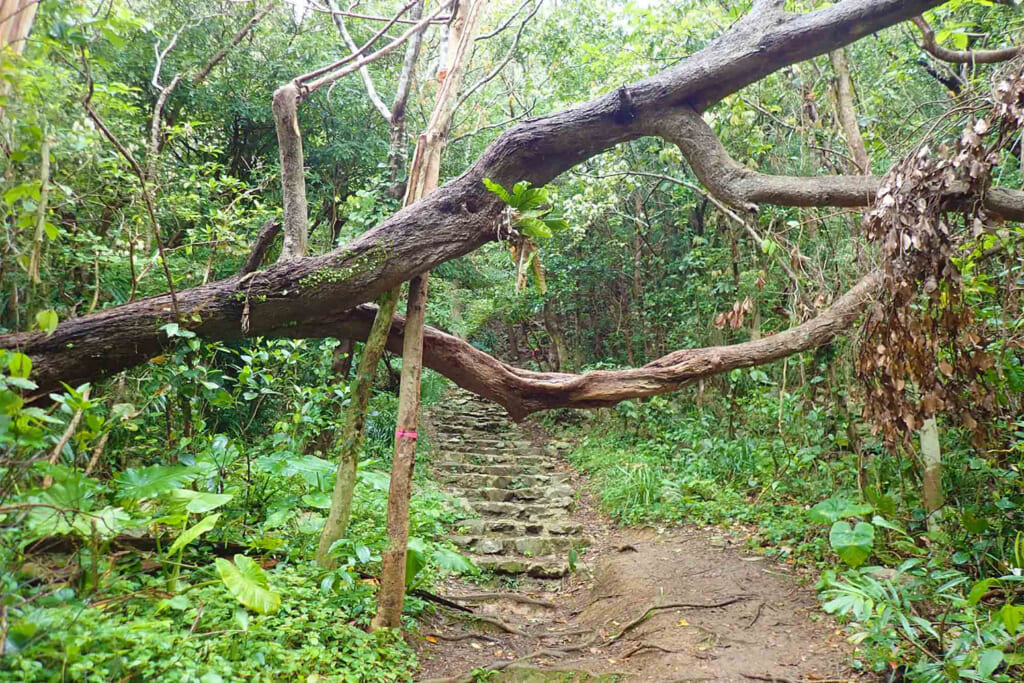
{"x": 516, "y": 494}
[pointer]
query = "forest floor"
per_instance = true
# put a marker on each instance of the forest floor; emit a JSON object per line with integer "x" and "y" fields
{"x": 644, "y": 604}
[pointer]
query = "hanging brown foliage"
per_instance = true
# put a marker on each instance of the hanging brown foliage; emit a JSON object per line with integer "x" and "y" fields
{"x": 923, "y": 349}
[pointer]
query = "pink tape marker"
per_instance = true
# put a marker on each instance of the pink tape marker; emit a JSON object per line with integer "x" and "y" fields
{"x": 399, "y": 433}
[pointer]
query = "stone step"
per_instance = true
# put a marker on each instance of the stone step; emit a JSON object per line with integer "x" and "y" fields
{"x": 528, "y": 494}
{"x": 486, "y": 441}
{"x": 500, "y": 481}
{"x": 551, "y": 567}
{"x": 511, "y": 527}
{"x": 528, "y": 546}
{"x": 527, "y": 512}
{"x": 539, "y": 464}
{"x": 502, "y": 470}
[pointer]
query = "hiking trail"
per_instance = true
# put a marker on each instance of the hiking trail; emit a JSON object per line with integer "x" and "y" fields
{"x": 578, "y": 599}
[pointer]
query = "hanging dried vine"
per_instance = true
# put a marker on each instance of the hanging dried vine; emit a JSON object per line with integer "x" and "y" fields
{"x": 924, "y": 349}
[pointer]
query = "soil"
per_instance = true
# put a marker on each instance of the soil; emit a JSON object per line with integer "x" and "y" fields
{"x": 644, "y": 604}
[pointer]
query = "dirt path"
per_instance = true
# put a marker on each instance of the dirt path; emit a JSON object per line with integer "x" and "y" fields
{"x": 679, "y": 604}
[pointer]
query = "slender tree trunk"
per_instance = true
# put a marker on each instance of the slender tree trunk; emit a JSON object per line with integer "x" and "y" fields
{"x": 293, "y": 181}
{"x": 931, "y": 492}
{"x": 391, "y": 595}
{"x": 373, "y": 350}
{"x": 352, "y": 432}
{"x": 563, "y": 361}
{"x": 846, "y": 113}
{"x": 396, "y": 133}
{"x": 44, "y": 193}
{"x": 423, "y": 179}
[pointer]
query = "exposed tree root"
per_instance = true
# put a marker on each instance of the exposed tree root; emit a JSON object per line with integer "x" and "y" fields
{"x": 463, "y": 636}
{"x": 514, "y": 597}
{"x": 675, "y": 605}
{"x": 504, "y": 626}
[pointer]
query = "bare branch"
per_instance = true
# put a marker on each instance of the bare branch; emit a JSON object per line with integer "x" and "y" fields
{"x": 505, "y": 24}
{"x": 367, "y": 17}
{"x": 501, "y": 65}
{"x": 364, "y": 73}
{"x": 355, "y": 54}
{"x": 931, "y": 45}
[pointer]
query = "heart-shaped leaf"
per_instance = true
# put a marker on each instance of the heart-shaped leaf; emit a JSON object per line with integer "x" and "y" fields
{"x": 247, "y": 582}
{"x": 853, "y": 544}
{"x": 833, "y": 509}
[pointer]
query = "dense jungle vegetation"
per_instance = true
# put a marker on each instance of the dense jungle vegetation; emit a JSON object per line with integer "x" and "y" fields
{"x": 163, "y": 498}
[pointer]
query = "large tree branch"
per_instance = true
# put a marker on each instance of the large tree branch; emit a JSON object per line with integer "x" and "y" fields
{"x": 932, "y": 47}
{"x": 461, "y": 216}
{"x": 743, "y": 187}
{"x": 523, "y": 392}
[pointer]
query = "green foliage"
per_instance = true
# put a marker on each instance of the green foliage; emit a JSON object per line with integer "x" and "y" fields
{"x": 528, "y": 212}
{"x": 247, "y": 582}
{"x": 853, "y": 544}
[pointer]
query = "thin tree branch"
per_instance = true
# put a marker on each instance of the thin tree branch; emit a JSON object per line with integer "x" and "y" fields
{"x": 364, "y": 73}
{"x": 931, "y": 45}
{"x": 235, "y": 40}
{"x": 501, "y": 65}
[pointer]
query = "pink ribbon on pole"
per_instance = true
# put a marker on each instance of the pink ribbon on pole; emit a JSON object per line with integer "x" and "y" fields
{"x": 399, "y": 433}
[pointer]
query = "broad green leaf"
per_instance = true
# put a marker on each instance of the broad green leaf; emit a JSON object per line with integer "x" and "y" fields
{"x": 853, "y": 544}
{"x": 556, "y": 224}
{"x": 836, "y": 508}
{"x": 108, "y": 522}
{"x": 518, "y": 191}
{"x": 989, "y": 660}
{"x": 886, "y": 524}
{"x": 321, "y": 500}
{"x": 193, "y": 532}
{"x": 198, "y": 502}
{"x": 534, "y": 228}
{"x": 1011, "y": 616}
{"x": 141, "y": 483}
{"x": 532, "y": 198}
{"x": 379, "y": 481}
{"x": 47, "y": 321}
{"x": 248, "y": 583}
{"x": 498, "y": 190}
{"x": 452, "y": 561}
{"x": 362, "y": 553}
{"x": 19, "y": 364}
{"x": 415, "y": 559}
{"x": 979, "y": 589}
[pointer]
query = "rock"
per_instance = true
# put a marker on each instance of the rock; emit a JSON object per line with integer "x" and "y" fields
{"x": 489, "y": 546}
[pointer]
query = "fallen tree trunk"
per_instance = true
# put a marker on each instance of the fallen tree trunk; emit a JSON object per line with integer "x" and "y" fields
{"x": 523, "y": 392}
{"x": 462, "y": 215}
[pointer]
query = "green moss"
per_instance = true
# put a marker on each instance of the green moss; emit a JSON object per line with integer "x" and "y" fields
{"x": 369, "y": 260}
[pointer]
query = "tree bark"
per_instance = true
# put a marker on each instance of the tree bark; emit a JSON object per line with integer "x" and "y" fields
{"x": 293, "y": 181}
{"x": 391, "y": 594}
{"x": 962, "y": 56}
{"x": 396, "y": 129}
{"x": 563, "y": 362}
{"x": 931, "y": 454}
